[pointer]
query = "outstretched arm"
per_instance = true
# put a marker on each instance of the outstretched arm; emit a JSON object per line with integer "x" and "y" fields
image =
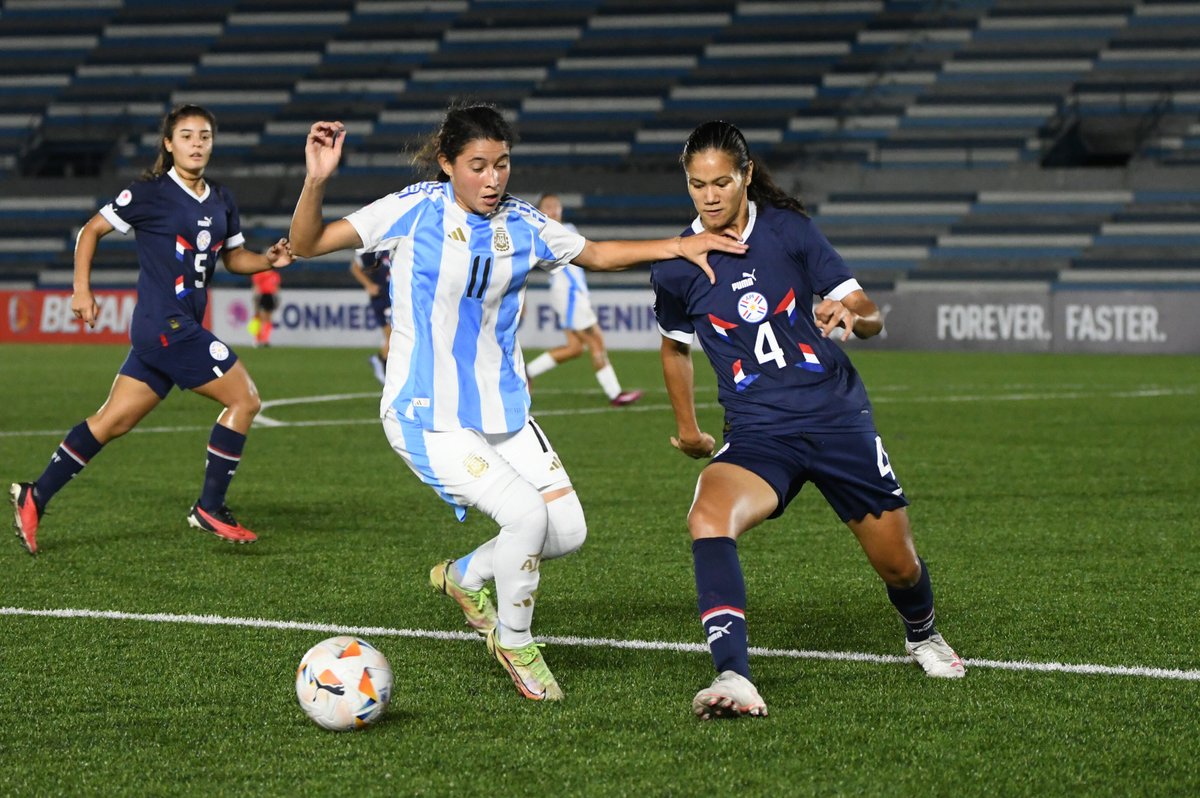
{"x": 608, "y": 256}
{"x": 854, "y": 313}
{"x": 243, "y": 261}
{"x": 679, "y": 378}
{"x": 309, "y": 234}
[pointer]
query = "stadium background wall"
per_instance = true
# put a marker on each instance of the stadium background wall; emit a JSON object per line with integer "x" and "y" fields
{"x": 949, "y": 317}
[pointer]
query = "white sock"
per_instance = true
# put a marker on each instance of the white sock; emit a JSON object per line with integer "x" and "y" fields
{"x": 516, "y": 555}
{"x": 540, "y": 365}
{"x": 517, "y": 560}
{"x": 608, "y": 381}
{"x": 479, "y": 569}
{"x": 567, "y": 529}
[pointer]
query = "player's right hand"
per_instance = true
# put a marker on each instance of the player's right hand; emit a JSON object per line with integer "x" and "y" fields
{"x": 83, "y": 305}
{"x": 323, "y": 148}
{"x": 695, "y": 449}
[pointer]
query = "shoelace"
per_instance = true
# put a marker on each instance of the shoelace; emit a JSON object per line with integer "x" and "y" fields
{"x": 531, "y": 657}
{"x": 480, "y": 597}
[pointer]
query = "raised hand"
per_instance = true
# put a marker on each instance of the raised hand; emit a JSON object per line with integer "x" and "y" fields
{"x": 323, "y": 148}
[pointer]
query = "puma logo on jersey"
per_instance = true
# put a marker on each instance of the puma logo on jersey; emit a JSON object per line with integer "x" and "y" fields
{"x": 746, "y": 282}
{"x": 458, "y": 234}
{"x": 205, "y": 222}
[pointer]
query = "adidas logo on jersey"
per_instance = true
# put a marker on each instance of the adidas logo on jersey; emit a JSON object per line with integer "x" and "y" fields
{"x": 458, "y": 234}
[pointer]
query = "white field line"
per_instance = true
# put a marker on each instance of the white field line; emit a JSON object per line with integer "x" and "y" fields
{"x": 600, "y": 642}
{"x": 264, "y": 421}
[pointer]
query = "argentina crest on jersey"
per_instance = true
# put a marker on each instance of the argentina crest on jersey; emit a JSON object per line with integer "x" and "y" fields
{"x": 500, "y": 240}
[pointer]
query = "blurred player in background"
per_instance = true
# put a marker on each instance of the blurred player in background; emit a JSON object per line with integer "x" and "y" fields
{"x": 184, "y": 222}
{"x": 455, "y": 404}
{"x": 266, "y": 300}
{"x": 795, "y": 408}
{"x": 372, "y": 270}
{"x": 569, "y": 296}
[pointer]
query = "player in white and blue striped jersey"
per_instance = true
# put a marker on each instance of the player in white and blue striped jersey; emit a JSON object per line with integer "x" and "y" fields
{"x": 455, "y": 402}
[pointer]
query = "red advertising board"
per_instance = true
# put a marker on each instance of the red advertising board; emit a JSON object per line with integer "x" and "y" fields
{"x": 45, "y": 317}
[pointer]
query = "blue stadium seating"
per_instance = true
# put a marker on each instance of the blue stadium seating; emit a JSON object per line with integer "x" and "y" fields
{"x": 957, "y": 137}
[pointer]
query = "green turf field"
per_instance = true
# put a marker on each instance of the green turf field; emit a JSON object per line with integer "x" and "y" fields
{"x": 1055, "y": 499}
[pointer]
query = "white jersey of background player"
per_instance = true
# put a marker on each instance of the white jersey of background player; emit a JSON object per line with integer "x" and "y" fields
{"x": 456, "y": 403}
{"x": 570, "y": 300}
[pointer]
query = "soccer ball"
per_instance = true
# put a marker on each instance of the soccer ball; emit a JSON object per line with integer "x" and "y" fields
{"x": 343, "y": 683}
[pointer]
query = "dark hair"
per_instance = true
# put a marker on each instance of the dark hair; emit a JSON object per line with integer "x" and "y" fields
{"x": 724, "y": 136}
{"x": 463, "y": 123}
{"x": 165, "y": 160}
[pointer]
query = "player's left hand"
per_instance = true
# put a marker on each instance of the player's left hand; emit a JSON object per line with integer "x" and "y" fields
{"x": 696, "y": 248}
{"x": 280, "y": 254}
{"x": 697, "y": 449}
{"x": 832, "y": 314}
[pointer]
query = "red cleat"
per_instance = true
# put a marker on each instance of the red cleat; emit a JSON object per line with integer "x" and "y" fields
{"x": 625, "y": 398}
{"x": 221, "y": 523}
{"x": 26, "y": 514}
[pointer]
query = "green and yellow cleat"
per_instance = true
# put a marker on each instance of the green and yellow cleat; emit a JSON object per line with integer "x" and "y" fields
{"x": 476, "y": 604}
{"x": 527, "y": 668}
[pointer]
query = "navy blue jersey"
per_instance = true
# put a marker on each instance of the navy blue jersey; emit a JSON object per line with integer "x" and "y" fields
{"x": 377, "y": 266}
{"x": 179, "y": 237}
{"x": 774, "y": 369}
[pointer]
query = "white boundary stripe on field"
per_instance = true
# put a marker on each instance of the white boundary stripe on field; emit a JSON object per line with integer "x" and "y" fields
{"x": 599, "y": 642}
{"x": 264, "y": 421}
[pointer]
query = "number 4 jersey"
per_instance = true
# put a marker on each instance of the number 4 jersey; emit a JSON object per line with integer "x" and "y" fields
{"x": 774, "y": 369}
{"x": 179, "y": 235}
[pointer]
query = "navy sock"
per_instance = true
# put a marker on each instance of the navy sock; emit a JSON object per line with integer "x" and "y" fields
{"x": 915, "y": 605}
{"x": 224, "y": 453}
{"x": 721, "y": 598}
{"x": 75, "y": 451}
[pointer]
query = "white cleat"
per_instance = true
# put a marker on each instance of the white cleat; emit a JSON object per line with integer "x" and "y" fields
{"x": 731, "y": 695}
{"x": 936, "y": 657}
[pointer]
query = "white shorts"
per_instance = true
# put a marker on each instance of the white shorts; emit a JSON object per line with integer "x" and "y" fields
{"x": 573, "y": 307}
{"x": 462, "y": 465}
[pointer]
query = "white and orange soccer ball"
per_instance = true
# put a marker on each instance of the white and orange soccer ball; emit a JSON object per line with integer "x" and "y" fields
{"x": 343, "y": 683}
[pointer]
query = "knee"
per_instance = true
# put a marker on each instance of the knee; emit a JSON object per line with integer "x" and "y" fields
{"x": 702, "y": 523}
{"x": 248, "y": 405}
{"x": 567, "y": 527}
{"x": 516, "y": 507}
{"x": 107, "y": 430}
{"x": 900, "y": 573}
{"x": 108, "y": 426}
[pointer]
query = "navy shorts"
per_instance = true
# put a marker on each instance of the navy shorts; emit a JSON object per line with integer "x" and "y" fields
{"x": 851, "y": 469}
{"x": 190, "y": 360}
{"x": 381, "y": 306}
{"x": 268, "y": 302}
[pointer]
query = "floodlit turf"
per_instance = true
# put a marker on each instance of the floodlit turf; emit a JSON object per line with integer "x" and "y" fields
{"x": 1054, "y": 498}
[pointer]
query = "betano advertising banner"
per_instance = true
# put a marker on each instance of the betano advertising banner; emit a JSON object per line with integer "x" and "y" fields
{"x": 45, "y": 317}
{"x": 958, "y": 317}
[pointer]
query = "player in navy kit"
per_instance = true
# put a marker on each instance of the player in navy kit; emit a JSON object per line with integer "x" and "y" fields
{"x": 795, "y": 408}
{"x": 184, "y": 223}
{"x": 373, "y": 271}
